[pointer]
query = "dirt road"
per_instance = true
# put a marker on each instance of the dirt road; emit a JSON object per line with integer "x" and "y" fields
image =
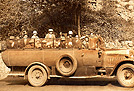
{"x": 18, "y": 84}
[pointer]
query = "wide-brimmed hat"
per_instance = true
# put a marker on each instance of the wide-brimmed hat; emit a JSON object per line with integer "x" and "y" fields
{"x": 70, "y": 32}
{"x": 50, "y": 30}
{"x": 34, "y": 32}
{"x": 76, "y": 36}
{"x": 12, "y": 37}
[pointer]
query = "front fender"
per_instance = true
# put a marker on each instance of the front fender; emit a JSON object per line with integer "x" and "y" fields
{"x": 131, "y": 61}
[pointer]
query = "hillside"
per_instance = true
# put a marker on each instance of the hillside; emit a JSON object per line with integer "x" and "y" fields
{"x": 113, "y": 19}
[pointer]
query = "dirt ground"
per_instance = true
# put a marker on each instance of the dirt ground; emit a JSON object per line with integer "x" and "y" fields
{"x": 19, "y": 84}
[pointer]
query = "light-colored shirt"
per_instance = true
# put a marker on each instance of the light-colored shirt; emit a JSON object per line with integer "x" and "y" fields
{"x": 50, "y": 36}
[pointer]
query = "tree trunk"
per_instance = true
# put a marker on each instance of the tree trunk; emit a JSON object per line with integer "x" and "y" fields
{"x": 79, "y": 25}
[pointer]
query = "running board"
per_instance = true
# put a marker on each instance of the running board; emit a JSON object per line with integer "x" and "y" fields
{"x": 83, "y": 77}
{"x": 16, "y": 74}
{"x": 73, "y": 77}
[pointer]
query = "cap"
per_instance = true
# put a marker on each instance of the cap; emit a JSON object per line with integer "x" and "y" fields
{"x": 12, "y": 37}
{"x": 91, "y": 33}
{"x": 50, "y": 30}
{"x": 76, "y": 36}
{"x": 34, "y": 32}
{"x": 70, "y": 32}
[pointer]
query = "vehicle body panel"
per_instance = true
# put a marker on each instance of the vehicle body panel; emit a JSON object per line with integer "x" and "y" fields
{"x": 90, "y": 62}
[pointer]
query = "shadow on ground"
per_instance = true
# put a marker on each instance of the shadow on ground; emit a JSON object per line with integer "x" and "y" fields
{"x": 72, "y": 82}
{"x": 85, "y": 82}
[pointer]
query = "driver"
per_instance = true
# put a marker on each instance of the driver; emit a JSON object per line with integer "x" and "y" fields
{"x": 85, "y": 41}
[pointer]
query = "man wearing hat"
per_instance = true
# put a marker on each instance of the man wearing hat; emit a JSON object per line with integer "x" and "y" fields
{"x": 35, "y": 39}
{"x": 70, "y": 34}
{"x": 25, "y": 37}
{"x": 50, "y": 38}
{"x": 85, "y": 42}
{"x": 50, "y": 35}
{"x": 69, "y": 39}
{"x": 35, "y": 35}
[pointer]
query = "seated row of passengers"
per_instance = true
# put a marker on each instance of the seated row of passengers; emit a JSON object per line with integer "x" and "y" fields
{"x": 50, "y": 40}
{"x": 66, "y": 42}
{"x": 87, "y": 41}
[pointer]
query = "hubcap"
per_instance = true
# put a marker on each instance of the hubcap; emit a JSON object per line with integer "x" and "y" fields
{"x": 66, "y": 65}
{"x": 128, "y": 75}
{"x": 37, "y": 76}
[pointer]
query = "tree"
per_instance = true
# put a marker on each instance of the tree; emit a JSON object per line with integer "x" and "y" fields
{"x": 98, "y": 16}
{"x": 107, "y": 22}
{"x": 39, "y": 15}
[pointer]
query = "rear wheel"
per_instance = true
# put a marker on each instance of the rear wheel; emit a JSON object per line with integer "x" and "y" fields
{"x": 37, "y": 75}
{"x": 125, "y": 75}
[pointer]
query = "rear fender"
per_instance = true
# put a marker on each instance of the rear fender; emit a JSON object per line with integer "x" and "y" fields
{"x": 37, "y": 63}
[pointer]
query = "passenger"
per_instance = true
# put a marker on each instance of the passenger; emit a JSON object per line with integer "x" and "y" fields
{"x": 62, "y": 40}
{"x": 92, "y": 35}
{"x": 77, "y": 39}
{"x": 100, "y": 43}
{"x": 50, "y": 38}
{"x": 50, "y": 35}
{"x": 93, "y": 39}
{"x": 35, "y": 40}
{"x": 77, "y": 43}
{"x": 86, "y": 42}
{"x": 18, "y": 42}
{"x": 70, "y": 34}
{"x": 35, "y": 35}
{"x": 12, "y": 42}
{"x": 61, "y": 36}
{"x": 25, "y": 37}
{"x": 69, "y": 42}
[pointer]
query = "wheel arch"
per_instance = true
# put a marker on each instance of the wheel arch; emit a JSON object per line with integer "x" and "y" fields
{"x": 121, "y": 63}
{"x": 37, "y": 63}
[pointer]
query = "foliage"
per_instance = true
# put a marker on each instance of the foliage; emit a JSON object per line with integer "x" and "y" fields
{"x": 107, "y": 22}
{"x": 62, "y": 15}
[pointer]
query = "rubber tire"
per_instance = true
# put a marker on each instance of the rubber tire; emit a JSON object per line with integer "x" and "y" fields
{"x": 74, "y": 65}
{"x": 120, "y": 75}
{"x": 37, "y": 83}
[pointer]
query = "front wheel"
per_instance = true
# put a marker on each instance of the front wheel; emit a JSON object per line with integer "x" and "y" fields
{"x": 125, "y": 75}
{"x": 37, "y": 76}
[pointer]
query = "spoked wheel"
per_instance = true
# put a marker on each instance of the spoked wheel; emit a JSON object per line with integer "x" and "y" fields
{"x": 125, "y": 75}
{"x": 37, "y": 75}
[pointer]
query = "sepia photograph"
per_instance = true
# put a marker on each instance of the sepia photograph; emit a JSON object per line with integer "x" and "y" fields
{"x": 66, "y": 45}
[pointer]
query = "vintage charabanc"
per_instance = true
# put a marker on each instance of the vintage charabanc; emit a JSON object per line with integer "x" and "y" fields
{"x": 41, "y": 59}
